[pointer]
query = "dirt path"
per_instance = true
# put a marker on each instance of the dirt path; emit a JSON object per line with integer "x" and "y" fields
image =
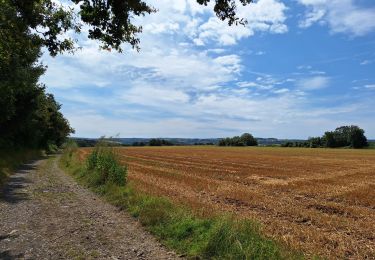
{"x": 44, "y": 214}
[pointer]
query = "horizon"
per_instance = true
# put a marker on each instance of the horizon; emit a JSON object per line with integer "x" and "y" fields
{"x": 161, "y": 137}
{"x": 298, "y": 69}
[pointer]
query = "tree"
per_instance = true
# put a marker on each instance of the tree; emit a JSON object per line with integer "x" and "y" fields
{"x": 357, "y": 137}
{"x": 109, "y": 21}
{"x": 28, "y": 117}
{"x": 329, "y": 138}
{"x": 244, "y": 140}
{"x": 351, "y": 136}
{"x": 315, "y": 142}
{"x": 249, "y": 140}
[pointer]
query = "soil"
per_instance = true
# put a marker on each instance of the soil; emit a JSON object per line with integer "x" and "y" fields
{"x": 45, "y": 214}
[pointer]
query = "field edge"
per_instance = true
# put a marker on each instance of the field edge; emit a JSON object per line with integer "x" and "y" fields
{"x": 178, "y": 228}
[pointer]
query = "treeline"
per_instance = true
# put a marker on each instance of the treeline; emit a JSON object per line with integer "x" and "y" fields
{"x": 343, "y": 136}
{"x": 244, "y": 140}
{"x": 154, "y": 142}
{"x": 29, "y": 117}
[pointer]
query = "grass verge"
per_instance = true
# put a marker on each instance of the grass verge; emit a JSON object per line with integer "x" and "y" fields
{"x": 219, "y": 237}
{"x": 10, "y": 160}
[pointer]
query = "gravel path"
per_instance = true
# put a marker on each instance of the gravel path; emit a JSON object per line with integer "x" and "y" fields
{"x": 45, "y": 214}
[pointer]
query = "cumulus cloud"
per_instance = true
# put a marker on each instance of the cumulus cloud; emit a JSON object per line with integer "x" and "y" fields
{"x": 185, "y": 82}
{"x": 342, "y": 16}
{"x": 263, "y": 16}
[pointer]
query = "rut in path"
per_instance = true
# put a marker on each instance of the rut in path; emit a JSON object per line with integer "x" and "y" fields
{"x": 45, "y": 214}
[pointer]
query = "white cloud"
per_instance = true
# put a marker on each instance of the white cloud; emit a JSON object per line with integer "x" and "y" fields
{"x": 247, "y": 84}
{"x": 342, "y": 16}
{"x": 366, "y": 62}
{"x": 304, "y": 67}
{"x": 370, "y": 86}
{"x": 174, "y": 88}
{"x": 313, "y": 83}
{"x": 161, "y": 27}
{"x": 263, "y": 16}
{"x": 281, "y": 91}
{"x": 260, "y": 53}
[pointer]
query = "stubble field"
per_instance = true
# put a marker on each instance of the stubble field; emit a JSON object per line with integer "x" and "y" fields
{"x": 320, "y": 201}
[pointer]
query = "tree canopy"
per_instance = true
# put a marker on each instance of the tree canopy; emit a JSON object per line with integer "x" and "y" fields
{"x": 351, "y": 136}
{"x": 344, "y": 136}
{"x": 29, "y": 116}
{"x": 109, "y": 21}
{"x": 245, "y": 139}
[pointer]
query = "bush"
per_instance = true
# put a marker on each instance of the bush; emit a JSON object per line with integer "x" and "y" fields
{"x": 51, "y": 148}
{"x": 103, "y": 167}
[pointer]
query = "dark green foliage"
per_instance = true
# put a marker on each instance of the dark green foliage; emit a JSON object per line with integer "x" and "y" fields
{"x": 344, "y": 136}
{"x": 244, "y": 140}
{"x": 159, "y": 142}
{"x": 226, "y": 10}
{"x": 138, "y": 144}
{"x": 49, "y": 19}
{"x": 84, "y": 142}
{"x": 109, "y": 21}
{"x": 315, "y": 142}
{"x": 29, "y": 117}
{"x": 249, "y": 140}
{"x": 329, "y": 138}
{"x": 102, "y": 167}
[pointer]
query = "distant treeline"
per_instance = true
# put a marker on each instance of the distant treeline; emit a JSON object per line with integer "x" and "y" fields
{"x": 83, "y": 142}
{"x": 154, "y": 142}
{"x": 343, "y": 136}
{"x": 244, "y": 140}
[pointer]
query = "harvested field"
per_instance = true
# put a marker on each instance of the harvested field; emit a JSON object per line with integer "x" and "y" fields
{"x": 321, "y": 201}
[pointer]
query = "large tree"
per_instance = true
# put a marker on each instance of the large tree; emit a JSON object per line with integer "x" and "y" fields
{"x": 28, "y": 117}
{"x": 351, "y": 136}
{"x": 109, "y": 21}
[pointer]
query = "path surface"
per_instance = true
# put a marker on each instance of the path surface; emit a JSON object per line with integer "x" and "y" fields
{"x": 44, "y": 214}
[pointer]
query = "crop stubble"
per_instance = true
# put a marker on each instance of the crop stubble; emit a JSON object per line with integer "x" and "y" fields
{"x": 317, "y": 200}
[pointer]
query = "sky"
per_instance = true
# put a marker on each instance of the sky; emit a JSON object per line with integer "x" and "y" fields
{"x": 298, "y": 69}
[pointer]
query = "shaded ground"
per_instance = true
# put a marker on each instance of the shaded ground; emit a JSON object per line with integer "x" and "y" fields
{"x": 44, "y": 214}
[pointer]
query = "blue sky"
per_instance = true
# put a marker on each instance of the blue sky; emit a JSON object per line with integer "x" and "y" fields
{"x": 299, "y": 68}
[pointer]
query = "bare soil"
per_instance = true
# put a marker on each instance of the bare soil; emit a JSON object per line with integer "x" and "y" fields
{"x": 45, "y": 214}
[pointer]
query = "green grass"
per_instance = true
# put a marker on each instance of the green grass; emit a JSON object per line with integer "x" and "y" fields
{"x": 11, "y": 159}
{"x": 219, "y": 237}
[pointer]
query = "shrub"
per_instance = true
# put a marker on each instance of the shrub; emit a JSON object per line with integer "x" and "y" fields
{"x": 102, "y": 167}
{"x": 51, "y": 148}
